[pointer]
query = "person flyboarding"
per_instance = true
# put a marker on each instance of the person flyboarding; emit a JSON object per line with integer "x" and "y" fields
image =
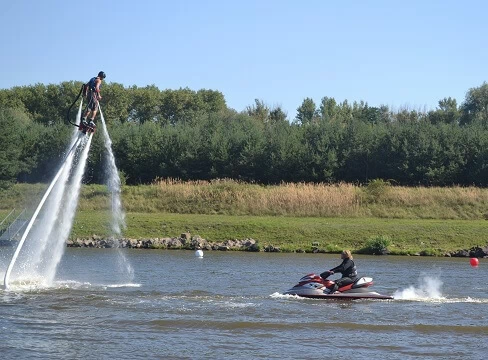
{"x": 93, "y": 97}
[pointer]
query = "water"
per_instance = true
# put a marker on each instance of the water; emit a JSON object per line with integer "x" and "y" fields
{"x": 118, "y": 215}
{"x": 113, "y": 183}
{"x": 61, "y": 233}
{"x": 46, "y": 244}
{"x": 228, "y": 305}
{"x": 32, "y": 257}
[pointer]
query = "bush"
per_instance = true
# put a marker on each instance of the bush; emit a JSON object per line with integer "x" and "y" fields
{"x": 377, "y": 245}
{"x": 376, "y": 190}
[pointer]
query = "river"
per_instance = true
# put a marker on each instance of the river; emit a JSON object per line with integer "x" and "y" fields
{"x": 163, "y": 304}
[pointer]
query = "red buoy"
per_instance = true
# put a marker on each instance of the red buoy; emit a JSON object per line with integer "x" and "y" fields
{"x": 474, "y": 262}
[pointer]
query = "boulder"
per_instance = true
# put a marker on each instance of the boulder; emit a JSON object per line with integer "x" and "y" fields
{"x": 175, "y": 243}
{"x": 271, "y": 248}
{"x": 461, "y": 253}
{"x": 478, "y": 252}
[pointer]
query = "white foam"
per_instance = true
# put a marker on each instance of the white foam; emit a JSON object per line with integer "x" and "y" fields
{"x": 123, "y": 285}
{"x": 277, "y": 295}
{"x": 428, "y": 288}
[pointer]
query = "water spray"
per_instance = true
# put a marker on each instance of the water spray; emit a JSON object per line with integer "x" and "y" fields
{"x": 36, "y": 213}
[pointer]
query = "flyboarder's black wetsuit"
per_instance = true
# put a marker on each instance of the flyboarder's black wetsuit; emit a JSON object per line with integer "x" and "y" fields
{"x": 349, "y": 274}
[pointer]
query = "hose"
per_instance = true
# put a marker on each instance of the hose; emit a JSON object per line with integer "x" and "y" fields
{"x": 74, "y": 102}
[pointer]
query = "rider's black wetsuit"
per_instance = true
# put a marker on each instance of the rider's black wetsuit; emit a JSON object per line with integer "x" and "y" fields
{"x": 349, "y": 273}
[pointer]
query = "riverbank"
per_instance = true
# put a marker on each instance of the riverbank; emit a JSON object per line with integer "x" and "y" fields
{"x": 188, "y": 242}
{"x": 290, "y": 234}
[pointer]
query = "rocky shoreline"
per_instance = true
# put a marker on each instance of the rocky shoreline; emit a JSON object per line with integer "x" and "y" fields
{"x": 184, "y": 242}
{"x": 188, "y": 242}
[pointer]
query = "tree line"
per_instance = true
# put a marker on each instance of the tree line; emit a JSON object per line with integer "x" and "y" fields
{"x": 194, "y": 135}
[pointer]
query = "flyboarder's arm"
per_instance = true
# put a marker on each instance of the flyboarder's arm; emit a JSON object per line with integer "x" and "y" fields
{"x": 98, "y": 82}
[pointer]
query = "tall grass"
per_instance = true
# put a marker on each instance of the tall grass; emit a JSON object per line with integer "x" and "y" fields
{"x": 228, "y": 197}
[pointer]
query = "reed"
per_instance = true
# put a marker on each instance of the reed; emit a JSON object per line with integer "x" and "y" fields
{"x": 230, "y": 197}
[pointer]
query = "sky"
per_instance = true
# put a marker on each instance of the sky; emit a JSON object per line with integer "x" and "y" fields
{"x": 396, "y": 53}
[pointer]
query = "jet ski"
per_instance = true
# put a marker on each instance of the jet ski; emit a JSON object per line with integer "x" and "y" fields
{"x": 313, "y": 286}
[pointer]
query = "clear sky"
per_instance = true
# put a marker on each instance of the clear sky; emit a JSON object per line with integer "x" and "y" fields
{"x": 398, "y": 53}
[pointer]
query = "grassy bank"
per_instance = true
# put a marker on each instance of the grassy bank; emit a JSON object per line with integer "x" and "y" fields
{"x": 290, "y": 216}
{"x": 225, "y": 197}
{"x": 408, "y": 236}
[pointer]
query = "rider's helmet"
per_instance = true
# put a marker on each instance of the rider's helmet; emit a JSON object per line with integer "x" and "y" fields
{"x": 102, "y": 75}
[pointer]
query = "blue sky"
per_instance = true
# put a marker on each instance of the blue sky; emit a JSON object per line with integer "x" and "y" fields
{"x": 398, "y": 53}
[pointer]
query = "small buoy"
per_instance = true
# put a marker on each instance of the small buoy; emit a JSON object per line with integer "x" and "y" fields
{"x": 474, "y": 262}
{"x": 199, "y": 253}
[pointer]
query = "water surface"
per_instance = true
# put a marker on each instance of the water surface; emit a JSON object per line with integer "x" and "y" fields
{"x": 151, "y": 304}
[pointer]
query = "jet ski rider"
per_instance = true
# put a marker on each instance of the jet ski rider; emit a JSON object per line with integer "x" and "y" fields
{"x": 348, "y": 270}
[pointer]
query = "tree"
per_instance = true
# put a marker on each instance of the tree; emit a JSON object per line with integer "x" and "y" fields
{"x": 211, "y": 100}
{"x": 277, "y": 115}
{"x": 306, "y": 112}
{"x": 475, "y": 106}
{"x": 11, "y": 123}
{"x": 259, "y": 110}
{"x": 328, "y": 109}
{"x": 446, "y": 113}
{"x": 116, "y": 102}
{"x": 145, "y": 104}
{"x": 185, "y": 105}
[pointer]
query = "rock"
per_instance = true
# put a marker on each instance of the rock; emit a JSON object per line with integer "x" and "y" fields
{"x": 461, "y": 253}
{"x": 249, "y": 242}
{"x": 185, "y": 237}
{"x": 478, "y": 252}
{"x": 183, "y": 242}
{"x": 254, "y": 247}
{"x": 175, "y": 243}
{"x": 271, "y": 248}
{"x": 197, "y": 243}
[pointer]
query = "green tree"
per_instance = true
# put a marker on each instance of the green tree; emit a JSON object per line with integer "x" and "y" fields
{"x": 328, "y": 109}
{"x": 475, "y": 106}
{"x": 211, "y": 101}
{"x": 12, "y": 122}
{"x": 145, "y": 104}
{"x": 306, "y": 112}
{"x": 259, "y": 110}
{"x": 446, "y": 113}
{"x": 277, "y": 115}
{"x": 116, "y": 103}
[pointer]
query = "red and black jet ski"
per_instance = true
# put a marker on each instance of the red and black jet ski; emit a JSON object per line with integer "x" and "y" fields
{"x": 313, "y": 286}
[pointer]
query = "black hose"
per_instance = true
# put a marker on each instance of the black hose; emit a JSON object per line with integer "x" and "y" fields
{"x": 74, "y": 102}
